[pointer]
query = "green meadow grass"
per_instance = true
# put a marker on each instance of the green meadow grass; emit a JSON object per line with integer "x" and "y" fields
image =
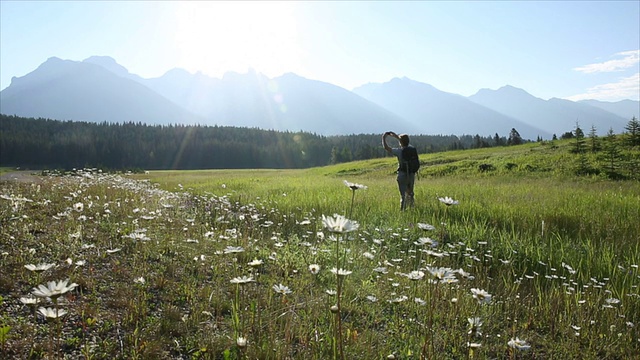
{"x": 219, "y": 251}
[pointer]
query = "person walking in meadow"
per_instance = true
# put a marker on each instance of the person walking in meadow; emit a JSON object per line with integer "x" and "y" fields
{"x": 408, "y": 165}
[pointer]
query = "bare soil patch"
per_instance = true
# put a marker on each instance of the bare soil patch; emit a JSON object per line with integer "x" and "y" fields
{"x": 21, "y": 176}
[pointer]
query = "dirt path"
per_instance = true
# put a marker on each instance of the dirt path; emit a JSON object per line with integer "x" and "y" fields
{"x": 20, "y": 176}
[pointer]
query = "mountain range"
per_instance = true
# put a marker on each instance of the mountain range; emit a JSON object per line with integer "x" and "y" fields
{"x": 99, "y": 89}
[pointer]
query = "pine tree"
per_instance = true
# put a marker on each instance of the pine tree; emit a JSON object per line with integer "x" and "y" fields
{"x": 579, "y": 148}
{"x": 579, "y": 136}
{"x": 514, "y": 137}
{"x": 594, "y": 142}
{"x": 612, "y": 154}
{"x": 632, "y": 136}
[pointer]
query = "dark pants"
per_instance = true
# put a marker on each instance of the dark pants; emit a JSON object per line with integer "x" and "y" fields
{"x": 405, "y": 185}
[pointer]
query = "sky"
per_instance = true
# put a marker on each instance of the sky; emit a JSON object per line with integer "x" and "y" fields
{"x": 573, "y": 50}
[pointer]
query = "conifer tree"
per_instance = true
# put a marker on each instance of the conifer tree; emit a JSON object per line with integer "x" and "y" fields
{"x": 579, "y": 136}
{"x": 612, "y": 154}
{"x": 514, "y": 137}
{"x": 632, "y": 136}
{"x": 594, "y": 142}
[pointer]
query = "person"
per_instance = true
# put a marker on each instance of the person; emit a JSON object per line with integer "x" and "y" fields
{"x": 406, "y": 179}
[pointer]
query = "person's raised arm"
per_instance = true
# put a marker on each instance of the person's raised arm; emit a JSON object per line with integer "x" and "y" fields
{"x": 384, "y": 140}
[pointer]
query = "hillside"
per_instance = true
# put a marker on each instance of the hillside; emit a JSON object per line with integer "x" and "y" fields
{"x": 538, "y": 159}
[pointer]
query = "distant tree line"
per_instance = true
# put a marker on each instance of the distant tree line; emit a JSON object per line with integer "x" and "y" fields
{"x": 53, "y": 144}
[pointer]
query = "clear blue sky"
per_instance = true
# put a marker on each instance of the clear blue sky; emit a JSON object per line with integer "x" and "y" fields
{"x": 574, "y": 49}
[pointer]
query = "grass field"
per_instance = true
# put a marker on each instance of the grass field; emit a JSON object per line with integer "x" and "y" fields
{"x": 531, "y": 263}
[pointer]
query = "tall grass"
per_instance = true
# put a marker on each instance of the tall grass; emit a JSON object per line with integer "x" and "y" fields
{"x": 155, "y": 263}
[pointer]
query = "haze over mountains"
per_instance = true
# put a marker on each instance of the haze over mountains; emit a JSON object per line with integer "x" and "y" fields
{"x": 99, "y": 89}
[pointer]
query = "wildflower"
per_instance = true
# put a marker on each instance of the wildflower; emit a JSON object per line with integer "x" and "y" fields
{"x": 448, "y": 201}
{"x": 78, "y": 207}
{"x": 139, "y": 280}
{"x": 415, "y": 275}
{"x": 426, "y": 227}
{"x": 372, "y": 298}
{"x": 482, "y": 296}
{"x": 426, "y": 241}
{"x": 399, "y": 299}
{"x": 314, "y": 269}
{"x": 420, "y": 301}
{"x": 612, "y": 301}
{"x": 339, "y": 224}
{"x": 233, "y": 249}
{"x": 241, "y": 341}
{"x": 281, "y": 289}
{"x": 368, "y": 255}
{"x": 354, "y": 186}
{"x": 518, "y": 344}
{"x": 465, "y": 274}
{"x": 138, "y": 235}
{"x": 39, "y": 267}
{"x": 442, "y": 275}
{"x": 256, "y": 263}
{"x": 473, "y": 345}
{"x": 382, "y": 270}
{"x": 29, "y": 300}
{"x": 341, "y": 272}
{"x": 474, "y": 326}
{"x": 53, "y": 289}
{"x": 331, "y": 292}
{"x": 113, "y": 251}
{"x": 242, "y": 280}
{"x": 433, "y": 253}
{"x": 52, "y": 313}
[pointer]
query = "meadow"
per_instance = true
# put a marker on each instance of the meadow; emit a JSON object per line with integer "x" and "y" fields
{"x": 520, "y": 262}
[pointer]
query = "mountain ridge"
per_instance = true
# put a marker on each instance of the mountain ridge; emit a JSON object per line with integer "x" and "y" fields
{"x": 61, "y": 89}
{"x": 556, "y": 115}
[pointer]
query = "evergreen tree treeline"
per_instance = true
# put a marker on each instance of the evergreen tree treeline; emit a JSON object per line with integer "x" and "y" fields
{"x": 45, "y": 143}
{"x": 616, "y": 157}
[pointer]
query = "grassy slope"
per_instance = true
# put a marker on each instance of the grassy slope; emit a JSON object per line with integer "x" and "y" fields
{"x": 537, "y": 194}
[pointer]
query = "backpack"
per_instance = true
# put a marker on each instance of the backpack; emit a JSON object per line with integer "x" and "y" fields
{"x": 410, "y": 160}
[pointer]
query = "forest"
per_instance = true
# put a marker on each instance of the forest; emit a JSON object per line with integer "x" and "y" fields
{"x": 54, "y": 144}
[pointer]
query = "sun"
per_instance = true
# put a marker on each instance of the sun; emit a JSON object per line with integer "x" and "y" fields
{"x": 218, "y": 36}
